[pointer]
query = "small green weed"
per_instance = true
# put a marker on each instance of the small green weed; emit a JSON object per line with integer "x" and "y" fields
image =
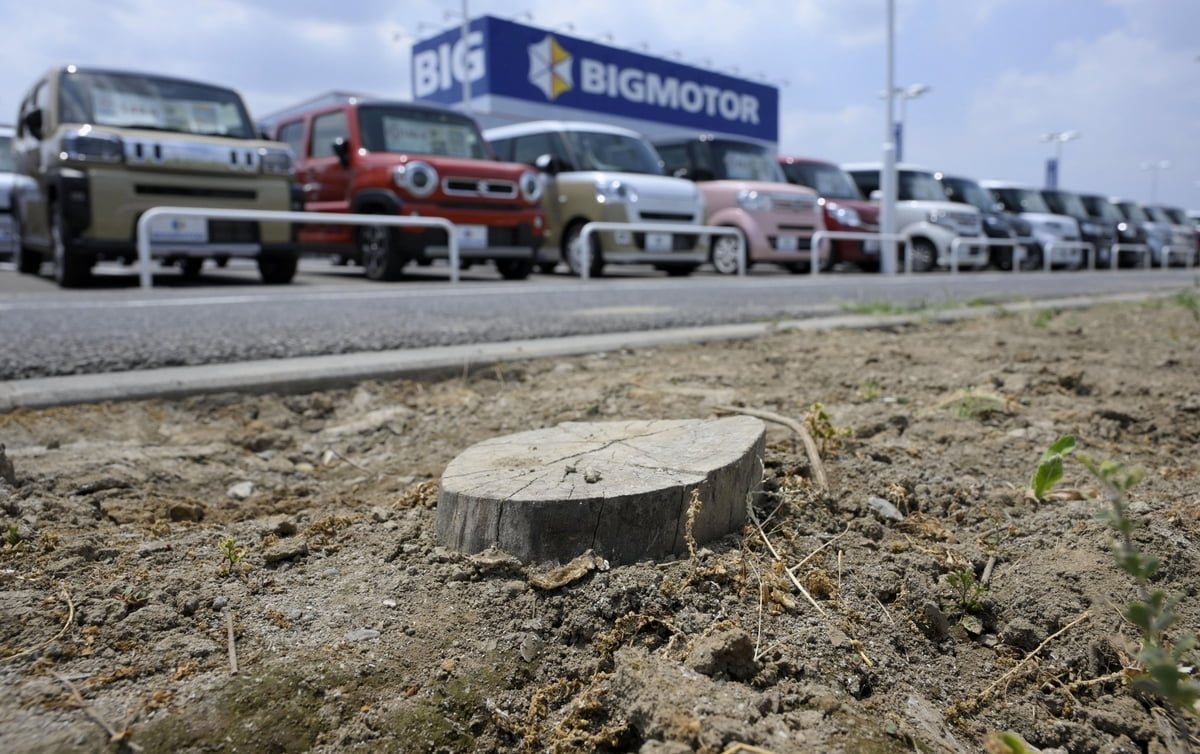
{"x": 967, "y": 590}
{"x": 821, "y": 427}
{"x": 1043, "y": 318}
{"x": 232, "y": 553}
{"x": 875, "y": 307}
{"x": 1050, "y": 467}
{"x": 12, "y": 536}
{"x": 1007, "y": 742}
{"x": 1189, "y": 300}
{"x": 1163, "y": 662}
{"x": 870, "y": 390}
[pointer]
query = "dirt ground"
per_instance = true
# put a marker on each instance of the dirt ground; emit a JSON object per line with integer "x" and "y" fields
{"x": 143, "y": 541}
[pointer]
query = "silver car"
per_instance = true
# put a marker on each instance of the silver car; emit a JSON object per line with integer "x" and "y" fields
{"x": 8, "y": 230}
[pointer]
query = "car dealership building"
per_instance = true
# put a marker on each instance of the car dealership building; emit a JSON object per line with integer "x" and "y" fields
{"x": 506, "y": 72}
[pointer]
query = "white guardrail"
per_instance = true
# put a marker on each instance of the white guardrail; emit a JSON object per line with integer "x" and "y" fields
{"x": 326, "y": 218}
{"x": 585, "y": 238}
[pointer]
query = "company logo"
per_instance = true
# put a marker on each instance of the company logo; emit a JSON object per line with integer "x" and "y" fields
{"x": 550, "y": 67}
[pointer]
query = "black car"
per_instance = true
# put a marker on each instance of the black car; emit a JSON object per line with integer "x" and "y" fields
{"x": 1129, "y": 234}
{"x": 996, "y": 224}
{"x": 1100, "y": 233}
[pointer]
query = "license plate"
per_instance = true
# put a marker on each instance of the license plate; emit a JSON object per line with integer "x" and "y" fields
{"x": 659, "y": 242}
{"x": 786, "y": 243}
{"x": 179, "y": 229}
{"x": 472, "y": 236}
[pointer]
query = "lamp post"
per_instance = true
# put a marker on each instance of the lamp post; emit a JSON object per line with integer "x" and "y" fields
{"x": 1154, "y": 166}
{"x": 904, "y": 93}
{"x": 1058, "y": 138}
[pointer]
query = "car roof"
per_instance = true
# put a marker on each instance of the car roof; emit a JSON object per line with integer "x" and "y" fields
{"x": 124, "y": 72}
{"x": 910, "y": 166}
{"x": 542, "y": 126}
{"x": 1002, "y": 184}
{"x": 7, "y": 130}
{"x": 805, "y": 160}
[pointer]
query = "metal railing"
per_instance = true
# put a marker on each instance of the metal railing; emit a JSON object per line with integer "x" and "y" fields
{"x": 1018, "y": 244}
{"x": 1136, "y": 248}
{"x": 853, "y": 235}
{"x": 326, "y": 218}
{"x": 1048, "y": 252}
{"x": 1168, "y": 250}
{"x": 585, "y": 238}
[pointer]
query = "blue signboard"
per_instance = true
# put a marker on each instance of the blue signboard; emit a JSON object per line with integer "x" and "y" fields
{"x": 507, "y": 59}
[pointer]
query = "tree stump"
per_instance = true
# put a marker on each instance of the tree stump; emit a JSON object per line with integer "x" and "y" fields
{"x": 629, "y": 490}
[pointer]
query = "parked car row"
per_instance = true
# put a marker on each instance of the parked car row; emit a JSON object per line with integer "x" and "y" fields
{"x": 94, "y": 149}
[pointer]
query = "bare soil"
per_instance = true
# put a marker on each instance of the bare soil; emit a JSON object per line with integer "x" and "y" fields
{"x": 152, "y": 548}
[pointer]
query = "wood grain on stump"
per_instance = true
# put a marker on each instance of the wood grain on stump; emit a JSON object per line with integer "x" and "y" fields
{"x": 623, "y": 489}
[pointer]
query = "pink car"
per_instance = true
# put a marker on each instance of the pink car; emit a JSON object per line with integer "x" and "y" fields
{"x": 844, "y": 208}
{"x": 744, "y": 188}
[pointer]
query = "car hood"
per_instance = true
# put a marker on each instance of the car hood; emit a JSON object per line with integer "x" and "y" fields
{"x": 1045, "y": 221}
{"x": 646, "y": 185}
{"x": 7, "y": 182}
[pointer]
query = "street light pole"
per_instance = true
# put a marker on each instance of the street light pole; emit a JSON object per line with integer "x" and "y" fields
{"x": 906, "y": 93}
{"x": 1054, "y": 167}
{"x": 887, "y": 178}
{"x": 1154, "y": 167}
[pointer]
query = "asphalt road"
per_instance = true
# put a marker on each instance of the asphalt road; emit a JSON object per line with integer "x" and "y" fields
{"x": 228, "y": 317}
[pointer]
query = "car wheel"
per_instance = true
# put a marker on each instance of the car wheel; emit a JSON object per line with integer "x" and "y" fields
{"x": 723, "y": 253}
{"x": 573, "y": 252}
{"x": 28, "y": 261}
{"x": 514, "y": 269}
{"x": 1033, "y": 258}
{"x": 190, "y": 267}
{"x": 924, "y": 255}
{"x": 70, "y": 270}
{"x": 547, "y": 268}
{"x": 378, "y": 252}
{"x": 278, "y": 269}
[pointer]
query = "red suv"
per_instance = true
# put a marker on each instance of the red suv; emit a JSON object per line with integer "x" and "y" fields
{"x": 397, "y": 158}
{"x": 843, "y": 205}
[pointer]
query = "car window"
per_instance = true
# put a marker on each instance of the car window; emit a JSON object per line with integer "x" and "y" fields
{"x": 528, "y": 148}
{"x": 829, "y": 181}
{"x": 292, "y": 134}
{"x": 410, "y": 130}
{"x": 6, "y": 157}
{"x": 326, "y": 128}
{"x": 674, "y": 157}
{"x": 866, "y": 180}
{"x": 595, "y": 150}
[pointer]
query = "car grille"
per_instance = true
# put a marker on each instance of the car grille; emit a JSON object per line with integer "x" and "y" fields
{"x": 965, "y": 223}
{"x": 482, "y": 187}
{"x": 793, "y": 202}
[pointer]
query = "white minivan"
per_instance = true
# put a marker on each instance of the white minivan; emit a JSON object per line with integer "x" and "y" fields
{"x": 601, "y": 173}
{"x": 924, "y": 216}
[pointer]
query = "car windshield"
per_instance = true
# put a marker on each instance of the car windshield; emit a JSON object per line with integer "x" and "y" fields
{"x": 1158, "y": 215}
{"x": 597, "y": 150}
{"x": 915, "y": 186}
{"x": 968, "y": 192}
{"x": 6, "y": 158}
{"x": 1133, "y": 212}
{"x": 126, "y": 100}
{"x": 1099, "y": 207}
{"x": 1021, "y": 200}
{"x": 398, "y": 129}
{"x": 744, "y": 161}
{"x": 1065, "y": 204}
{"x": 828, "y": 181}
{"x": 1176, "y": 215}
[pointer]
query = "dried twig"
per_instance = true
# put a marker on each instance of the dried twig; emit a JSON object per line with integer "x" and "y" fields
{"x": 822, "y": 547}
{"x": 810, "y": 445}
{"x": 233, "y": 663}
{"x": 66, "y": 596}
{"x": 987, "y": 570}
{"x": 1013, "y": 670}
{"x": 791, "y": 576}
{"x": 114, "y": 736}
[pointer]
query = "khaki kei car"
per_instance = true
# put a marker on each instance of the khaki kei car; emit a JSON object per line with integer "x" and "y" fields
{"x": 601, "y": 173}
{"x": 101, "y": 147}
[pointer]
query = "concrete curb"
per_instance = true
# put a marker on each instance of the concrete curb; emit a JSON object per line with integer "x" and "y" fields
{"x": 320, "y": 372}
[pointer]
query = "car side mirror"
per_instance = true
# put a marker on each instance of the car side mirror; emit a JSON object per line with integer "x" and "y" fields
{"x": 550, "y": 164}
{"x": 341, "y": 148}
{"x": 877, "y": 195}
{"x": 33, "y": 122}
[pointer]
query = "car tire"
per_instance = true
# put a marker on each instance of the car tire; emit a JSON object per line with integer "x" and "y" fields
{"x": 278, "y": 269}
{"x": 379, "y": 253}
{"x": 547, "y": 268}
{"x": 572, "y": 252}
{"x": 190, "y": 267}
{"x": 71, "y": 270}
{"x": 723, "y": 253}
{"x": 514, "y": 269}
{"x": 27, "y": 261}
{"x": 924, "y": 255}
{"x": 1033, "y": 258}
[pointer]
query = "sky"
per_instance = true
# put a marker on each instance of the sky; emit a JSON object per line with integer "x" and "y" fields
{"x": 1124, "y": 74}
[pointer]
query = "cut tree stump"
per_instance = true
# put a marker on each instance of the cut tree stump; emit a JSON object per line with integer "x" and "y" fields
{"x": 623, "y": 489}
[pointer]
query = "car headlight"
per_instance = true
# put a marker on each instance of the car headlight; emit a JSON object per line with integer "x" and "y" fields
{"x": 939, "y": 217}
{"x": 275, "y": 161}
{"x": 83, "y": 144}
{"x": 418, "y": 178}
{"x": 842, "y": 214}
{"x": 531, "y": 186}
{"x": 614, "y": 191}
{"x": 1090, "y": 229}
{"x": 753, "y": 201}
